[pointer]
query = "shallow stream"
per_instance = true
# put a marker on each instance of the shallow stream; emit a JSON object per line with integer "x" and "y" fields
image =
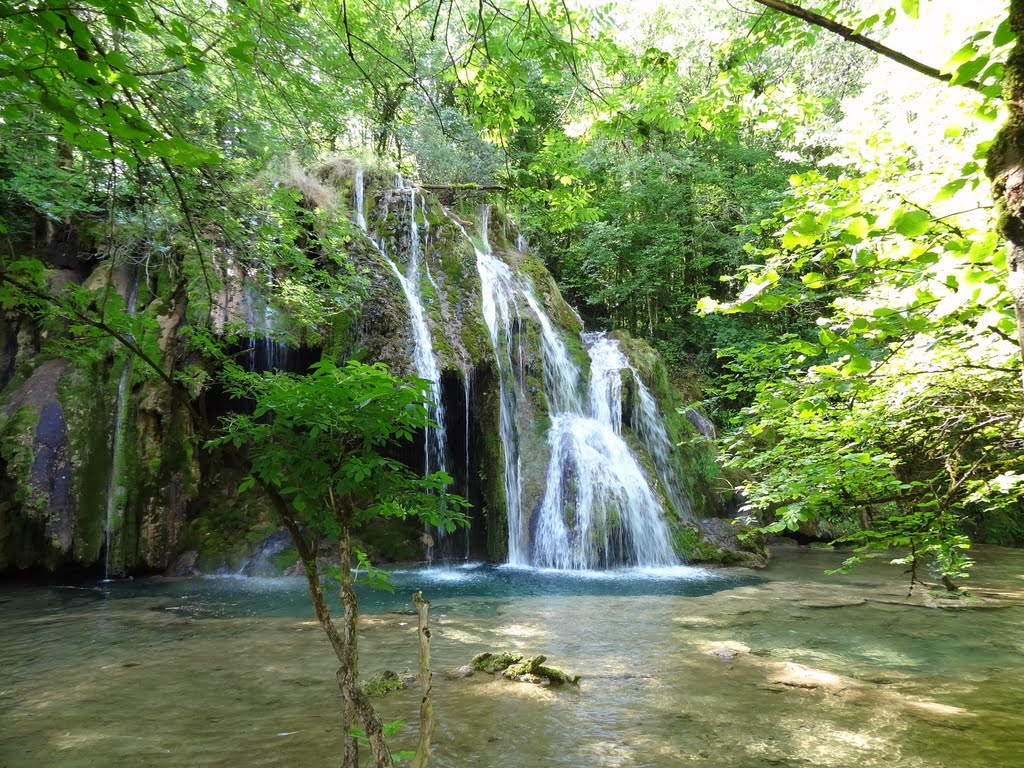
{"x": 682, "y": 666}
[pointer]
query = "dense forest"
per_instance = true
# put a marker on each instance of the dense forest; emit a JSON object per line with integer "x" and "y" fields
{"x": 784, "y": 241}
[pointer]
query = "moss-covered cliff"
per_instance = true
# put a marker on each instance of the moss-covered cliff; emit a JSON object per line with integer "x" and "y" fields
{"x": 101, "y": 465}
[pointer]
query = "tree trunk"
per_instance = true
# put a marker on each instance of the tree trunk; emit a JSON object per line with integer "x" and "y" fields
{"x": 348, "y": 674}
{"x": 1005, "y": 168}
{"x": 426, "y": 683}
{"x": 307, "y": 553}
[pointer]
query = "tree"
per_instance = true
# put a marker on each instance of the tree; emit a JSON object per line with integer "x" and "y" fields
{"x": 317, "y": 445}
{"x": 893, "y": 419}
{"x": 1006, "y": 171}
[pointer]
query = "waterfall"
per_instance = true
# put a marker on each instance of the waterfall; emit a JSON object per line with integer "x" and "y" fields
{"x": 598, "y": 508}
{"x": 607, "y": 367}
{"x": 358, "y": 184}
{"x": 436, "y": 439}
{"x": 501, "y": 314}
{"x": 265, "y": 352}
{"x": 116, "y": 492}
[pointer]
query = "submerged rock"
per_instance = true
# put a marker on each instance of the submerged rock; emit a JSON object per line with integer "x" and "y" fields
{"x": 466, "y": 670}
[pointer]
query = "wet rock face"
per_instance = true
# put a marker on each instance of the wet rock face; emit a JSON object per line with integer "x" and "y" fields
{"x": 47, "y": 505}
{"x": 51, "y": 473}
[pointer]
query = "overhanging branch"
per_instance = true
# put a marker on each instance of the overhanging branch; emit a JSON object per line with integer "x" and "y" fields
{"x": 872, "y": 45}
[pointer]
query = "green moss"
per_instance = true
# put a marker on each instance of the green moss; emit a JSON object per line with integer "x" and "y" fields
{"x": 88, "y": 397}
{"x": 744, "y": 545}
{"x": 285, "y": 559}
{"x": 230, "y": 524}
{"x": 383, "y": 683}
{"x": 690, "y": 543}
{"x": 547, "y": 289}
{"x": 532, "y": 670}
{"x": 16, "y": 435}
{"x": 493, "y": 663}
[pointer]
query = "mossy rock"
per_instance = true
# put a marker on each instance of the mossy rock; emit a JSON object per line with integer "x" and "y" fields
{"x": 514, "y": 666}
{"x": 494, "y": 663}
{"x": 719, "y": 542}
{"x": 382, "y": 683}
{"x": 532, "y": 670}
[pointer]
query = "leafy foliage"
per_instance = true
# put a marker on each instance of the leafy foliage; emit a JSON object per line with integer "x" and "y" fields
{"x": 321, "y": 440}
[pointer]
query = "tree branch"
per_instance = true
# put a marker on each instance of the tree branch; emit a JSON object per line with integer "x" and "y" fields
{"x": 127, "y": 342}
{"x": 872, "y": 45}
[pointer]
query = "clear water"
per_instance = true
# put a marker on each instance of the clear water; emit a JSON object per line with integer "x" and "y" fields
{"x": 840, "y": 671}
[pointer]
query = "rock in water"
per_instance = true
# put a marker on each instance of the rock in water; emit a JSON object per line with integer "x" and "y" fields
{"x": 495, "y": 662}
{"x": 513, "y": 666}
{"x": 382, "y": 683}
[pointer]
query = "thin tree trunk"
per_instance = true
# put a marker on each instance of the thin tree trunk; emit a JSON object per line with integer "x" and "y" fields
{"x": 307, "y": 553}
{"x": 1005, "y": 168}
{"x": 426, "y": 684}
{"x": 348, "y": 675}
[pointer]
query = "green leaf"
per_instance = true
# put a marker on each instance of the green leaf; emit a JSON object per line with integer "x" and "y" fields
{"x": 1004, "y": 34}
{"x": 912, "y": 223}
{"x": 857, "y": 364}
{"x": 814, "y": 280}
{"x": 958, "y": 59}
{"x": 910, "y": 7}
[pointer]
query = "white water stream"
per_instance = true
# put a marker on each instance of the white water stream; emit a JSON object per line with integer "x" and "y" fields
{"x": 599, "y": 508}
{"x": 436, "y": 439}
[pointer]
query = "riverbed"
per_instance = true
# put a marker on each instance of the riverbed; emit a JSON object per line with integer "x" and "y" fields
{"x": 681, "y": 666}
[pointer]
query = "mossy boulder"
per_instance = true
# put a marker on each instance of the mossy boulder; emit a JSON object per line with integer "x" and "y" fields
{"x": 714, "y": 541}
{"x": 494, "y": 663}
{"x": 514, "y": 666}
{"x": 532, "y": 670}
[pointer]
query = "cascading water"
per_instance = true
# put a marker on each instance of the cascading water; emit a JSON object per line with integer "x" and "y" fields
{"x": 608, "y": 363}
{"x": 114, "y": 513}
{"x": 436, "y": 439}
{"x": 501, "y": 314}
{"x": 598, "y": 509}
{"x": 265, "y": 352}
